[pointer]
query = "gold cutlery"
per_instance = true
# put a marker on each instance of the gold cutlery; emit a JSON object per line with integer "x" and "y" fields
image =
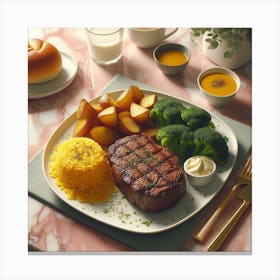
{"x": 246, "y": 196}
{"x": 245, "y": 176}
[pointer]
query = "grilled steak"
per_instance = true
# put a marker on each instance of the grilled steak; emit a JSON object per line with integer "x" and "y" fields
{"x": 148, "y": 174}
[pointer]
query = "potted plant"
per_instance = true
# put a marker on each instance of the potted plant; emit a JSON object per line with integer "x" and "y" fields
{"x": 227, "y": 47}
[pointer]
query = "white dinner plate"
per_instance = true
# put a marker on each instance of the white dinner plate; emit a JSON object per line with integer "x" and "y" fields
{"x": 64, "y": 79}
{"x": 119, "y": 213}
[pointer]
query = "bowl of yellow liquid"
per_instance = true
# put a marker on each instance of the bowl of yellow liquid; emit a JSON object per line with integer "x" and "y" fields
{"x": 172, "y": 58}
{"x": 219, "y": 85}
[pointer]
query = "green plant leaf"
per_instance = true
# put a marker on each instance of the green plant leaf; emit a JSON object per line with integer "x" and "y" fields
{"x": 228, "y": 54}
{"x": 225, "y": 35}
{"x": 230, "y": 43}
{"x": 221, "y": 30}
{"x": 213, "y": 45}
{"x": 234, "y": 34}
{"x": 199, "y": 31}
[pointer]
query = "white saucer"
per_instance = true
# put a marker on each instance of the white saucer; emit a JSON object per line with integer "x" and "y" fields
{"x": 66, "y": 76}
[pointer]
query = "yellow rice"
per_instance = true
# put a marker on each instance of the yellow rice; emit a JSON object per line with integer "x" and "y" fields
{"x": 82, "y": 170}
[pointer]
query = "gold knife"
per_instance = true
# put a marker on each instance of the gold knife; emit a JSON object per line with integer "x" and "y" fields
{"x": 246, "y": 196}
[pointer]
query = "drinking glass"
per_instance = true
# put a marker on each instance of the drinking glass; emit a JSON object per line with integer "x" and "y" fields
{"x": 105, "y": 44}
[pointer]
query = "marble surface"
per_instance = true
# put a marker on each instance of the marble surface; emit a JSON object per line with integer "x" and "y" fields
{"x": 50, "y": 230}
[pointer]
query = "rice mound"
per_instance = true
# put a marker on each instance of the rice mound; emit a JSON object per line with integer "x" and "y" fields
{"x": 82, "y": 170}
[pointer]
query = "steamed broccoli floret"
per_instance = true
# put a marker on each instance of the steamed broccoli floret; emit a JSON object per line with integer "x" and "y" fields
{"x": 177, "y": 138}
{"x": 167, "y": 111}
{"x": 211, "y": 143}
{"x": 195, "y": 117}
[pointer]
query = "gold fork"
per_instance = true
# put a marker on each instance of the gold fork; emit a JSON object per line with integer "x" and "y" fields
{"x": 244, "y": 177}
{"x": 246, "y": 196}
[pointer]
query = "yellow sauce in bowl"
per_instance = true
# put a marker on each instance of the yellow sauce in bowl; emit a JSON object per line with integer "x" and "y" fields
{"x": 218, "y": 84}
{"x": 173, "y": 58}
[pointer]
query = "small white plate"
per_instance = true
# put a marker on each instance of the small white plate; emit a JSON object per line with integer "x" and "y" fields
{"x": 64, "y": 79}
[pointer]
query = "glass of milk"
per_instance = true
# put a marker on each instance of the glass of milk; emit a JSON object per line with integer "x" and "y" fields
{"x": 105, "y": 44}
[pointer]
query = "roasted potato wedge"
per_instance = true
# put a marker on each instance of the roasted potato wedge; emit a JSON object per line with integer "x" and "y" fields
{"x": 104, "y": 101}
{"x": 108, "y": 116}
{"x": 152, "y": 132}
{"x": 148, "y": 101}
{"x": 113, "y": 102}
{"x": 139, "y": 113}
{"x": 125, "y": 99}
{"x": 103, "y": 135}
{"x": 129, "y": 126}
{"x": 98, "y": 108}
{"x": 123, "y": 114}
{"x": 95, "y": 122}
{"x": 137, "y": 93}
{"x": 82, "y": 128}
{"x": 85, "y": 110}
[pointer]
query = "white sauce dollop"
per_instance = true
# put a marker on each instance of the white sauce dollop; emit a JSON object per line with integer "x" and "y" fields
{"x": 199, "y": 165}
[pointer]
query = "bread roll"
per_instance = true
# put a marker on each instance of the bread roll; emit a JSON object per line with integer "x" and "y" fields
{"x": 44, "y": 61}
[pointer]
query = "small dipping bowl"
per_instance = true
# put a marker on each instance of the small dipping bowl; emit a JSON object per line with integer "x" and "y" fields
{"x": 176, "y": 53}
{"x": 196, "y": 179}
{"x": 214, "y": 99}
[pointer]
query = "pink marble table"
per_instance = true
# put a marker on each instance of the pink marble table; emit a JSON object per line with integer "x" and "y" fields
{"x": 50, "y": 230}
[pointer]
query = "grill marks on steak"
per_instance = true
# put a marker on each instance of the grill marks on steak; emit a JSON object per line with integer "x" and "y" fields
{"x": 148, "y": 174}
